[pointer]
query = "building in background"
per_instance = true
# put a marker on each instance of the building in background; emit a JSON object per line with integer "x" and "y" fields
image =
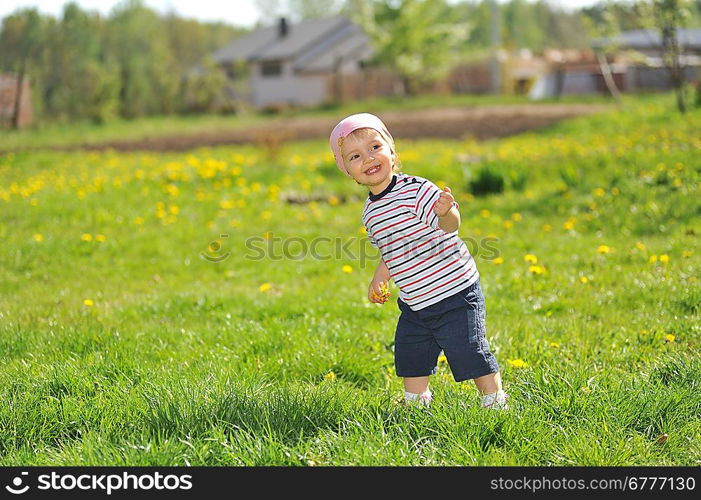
{"x": 301, "y": 64}
{"x": 647, "y": 71}
{"x": 8, "y": 101}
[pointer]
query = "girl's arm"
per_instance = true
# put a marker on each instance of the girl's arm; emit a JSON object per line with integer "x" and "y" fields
{"x": 450, "y": 222}
{"x": 448, "y": 215}
{"x": 379, "y": 281}
{"x": 381, "y": 273}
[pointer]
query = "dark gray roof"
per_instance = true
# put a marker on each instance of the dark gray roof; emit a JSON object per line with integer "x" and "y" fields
{"x": 348, "y": 43}
{"x": 302, "y": 39}
{"x": 651, "y": 39}
{"x": 243, "y": 47}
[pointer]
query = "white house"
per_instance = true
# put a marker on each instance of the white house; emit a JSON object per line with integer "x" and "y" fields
{"x": 298, "y": 64}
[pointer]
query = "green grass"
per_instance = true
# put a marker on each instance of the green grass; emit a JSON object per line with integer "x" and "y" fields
{"x": 74, "y": 134}
{"x": 181, "y": 360}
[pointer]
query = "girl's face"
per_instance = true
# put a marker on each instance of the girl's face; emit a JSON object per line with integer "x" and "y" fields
{"x": 368, "y": 158}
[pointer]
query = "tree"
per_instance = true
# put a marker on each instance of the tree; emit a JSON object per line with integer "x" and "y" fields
{"x": 313, "y": 9}
{"x": 670, "y": 15}
{"x": 418, "y": 38}
{"x": 270, "y": 10}
{"x": 20, "y": 40}
{"x": 138, "y": 46}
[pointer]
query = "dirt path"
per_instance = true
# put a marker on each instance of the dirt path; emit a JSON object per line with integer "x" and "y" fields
{"x": 484, "y": 122}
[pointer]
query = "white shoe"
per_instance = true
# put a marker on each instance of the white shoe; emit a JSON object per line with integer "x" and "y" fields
{"x": 495, "y": 401}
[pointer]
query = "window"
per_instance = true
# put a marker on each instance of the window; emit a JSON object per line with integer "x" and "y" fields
{"x": 271, "y": 68}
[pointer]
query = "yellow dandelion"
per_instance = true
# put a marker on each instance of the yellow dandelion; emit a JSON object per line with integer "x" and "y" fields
{"x": 677, "y": 182}
{"x": 264, "y": 287}
{"x": 498, "y": 260}
{"x": 333, "y": 200}
{"x": 88, "y": 302}
{"x": 330, "y": 376}
{"x": 569, "y": 224}
{"x": 266, "y": 214}
{"x": 536, "y": 269}
{"x": 555, "y": 344}
{"x": 347, "y": 269}
{"x": 583, "y": 279}
{"x": 604, "y": 249}
{"x": 138, "y": 221}
{"x": 508, "y": 224}
{"x": 529, "y": 257}
{"x": 686, "y": 254}
{"x": 517, "y": 363}
{"x": 362, "y": 230}
{"x": 38, "y": 237}
{"x": 669, "y": 337}
{"x": 267, "y": 235}
{"x": 86, "y": 237}
{"x": 442, "y": 359}
{"x": 172, "y": 190}
{"x": 640, "y": 245}
{"x": 547, "y": 228}
{"x": 235, "y": 223}
{"x": 615, "y": 191}
{"x": 485, "y": 213}
{"x": 599, "y": 192}
{"x": 652, "y": 259}
{"x": 664, "y": 258}
{"x": 100, "y": 237}
{"x": 516, "y": 217}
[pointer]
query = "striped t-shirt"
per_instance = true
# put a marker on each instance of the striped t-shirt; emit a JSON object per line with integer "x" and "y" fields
{"x": 425, "y": 262}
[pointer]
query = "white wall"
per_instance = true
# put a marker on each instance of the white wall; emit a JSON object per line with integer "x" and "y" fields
{"x": 287, "y": 88}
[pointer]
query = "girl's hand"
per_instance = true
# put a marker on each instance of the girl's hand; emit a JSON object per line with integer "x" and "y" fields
{"x": 378, "y": 292}
{"x": 444, "y": 203}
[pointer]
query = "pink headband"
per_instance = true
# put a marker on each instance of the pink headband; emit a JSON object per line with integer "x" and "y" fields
{"x": 348, "y": 125}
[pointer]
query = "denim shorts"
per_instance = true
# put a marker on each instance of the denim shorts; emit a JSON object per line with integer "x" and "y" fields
{"x": 456, "y": 326}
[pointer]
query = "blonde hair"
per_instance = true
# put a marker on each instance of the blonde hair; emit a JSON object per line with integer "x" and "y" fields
{"x": 364, "y": 133}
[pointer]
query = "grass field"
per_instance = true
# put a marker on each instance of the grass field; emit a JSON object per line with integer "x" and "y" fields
{"x": 174, "y": 309}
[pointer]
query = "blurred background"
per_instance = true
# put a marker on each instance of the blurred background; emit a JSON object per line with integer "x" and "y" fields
{"x": 100, "y": 61}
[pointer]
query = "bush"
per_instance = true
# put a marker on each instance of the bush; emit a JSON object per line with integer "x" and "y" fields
{"x": 487, "y": 181}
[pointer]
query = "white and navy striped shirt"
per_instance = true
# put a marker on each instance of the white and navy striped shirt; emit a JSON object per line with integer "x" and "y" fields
{"x": 425, "y": 262}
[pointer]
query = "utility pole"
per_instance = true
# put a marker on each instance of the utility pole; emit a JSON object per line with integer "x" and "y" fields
{"x": 496, "y": 44}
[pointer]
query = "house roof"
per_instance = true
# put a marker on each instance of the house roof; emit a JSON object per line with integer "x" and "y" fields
{"x": 347, "y": 43}
{"x": 651, "y": 39}
{"x": 313, "y": 44}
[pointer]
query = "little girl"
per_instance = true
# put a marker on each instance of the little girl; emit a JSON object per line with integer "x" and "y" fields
{"x": 414, "y": 225}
